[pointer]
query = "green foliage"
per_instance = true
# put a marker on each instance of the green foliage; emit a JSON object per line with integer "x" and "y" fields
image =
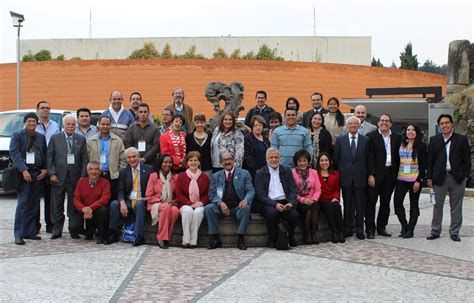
{"x": 407, "y": 59}
{"x": 191, "y": 53}
{"x": 75, "y": 58}
{"x": 431, "y": 67}
{"x": 43, "y": 55}
{"x": 235, "y": 54}
{"x": 148, "y": 51}
{"x": 220, "y": 54}
{"x": 166, "y": 53}
{"x": 157, "y": 119}
{"x": 393, "y": 65}
{"x": 376, "y": 62}
{"x": 28, "y": 57}
{"x": 265, "y": 53}
{"x": 249, "y": 56}
{"x": 59, "y": 58}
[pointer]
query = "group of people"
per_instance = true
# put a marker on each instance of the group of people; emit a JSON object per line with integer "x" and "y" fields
{"x": 288, "y": 168}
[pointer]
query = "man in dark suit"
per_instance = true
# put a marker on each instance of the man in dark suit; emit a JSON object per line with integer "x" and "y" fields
{"x": 275, "y": 192}
{"x": 384, "y": 161}
{"x": 350, "y": 158}
{"x": 131, "y": 195}
{"x": 317, "y": 103}
{"x": 67, "y": 163}
{"x": 28, "y": 154}
{"x": 449, "y": 166}
{"x": 231, "y": 194}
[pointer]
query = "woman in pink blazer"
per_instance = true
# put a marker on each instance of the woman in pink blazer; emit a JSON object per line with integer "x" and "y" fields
{"x": 308, "y": 190}
{"x": 160, "y": 193}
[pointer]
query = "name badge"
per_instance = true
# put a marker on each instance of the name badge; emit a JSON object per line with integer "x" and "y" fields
{"x": 406, "y": 168}
{"x": 141, "y": 146}
{"x": 102, "y": 159}
{"x": 133, "y": 195}
{"x": 220, "y": 192}
{"x": 30, "y": 158}
{"x": 71, "y": 159}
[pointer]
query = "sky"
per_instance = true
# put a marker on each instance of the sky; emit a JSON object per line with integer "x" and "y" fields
{"x": 428, "y": 24}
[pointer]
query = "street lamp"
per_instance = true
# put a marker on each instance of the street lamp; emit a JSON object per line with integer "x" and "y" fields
{"x": 17, "y": 22}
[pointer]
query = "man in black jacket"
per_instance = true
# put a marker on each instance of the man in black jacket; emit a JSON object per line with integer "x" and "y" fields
{"x": 261, "y": 109}
{"x": 449, "y": 166}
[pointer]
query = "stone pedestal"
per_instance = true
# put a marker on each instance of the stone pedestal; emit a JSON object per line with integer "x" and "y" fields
{"x": 458, "y": 65}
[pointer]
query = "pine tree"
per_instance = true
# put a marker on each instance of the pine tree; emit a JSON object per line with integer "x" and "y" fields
{"x": 407, "y": 59}
{"x": 376, "y": 62}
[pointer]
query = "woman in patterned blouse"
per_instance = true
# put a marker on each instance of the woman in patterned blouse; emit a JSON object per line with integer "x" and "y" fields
{"x": 173, "y": 143}
{"x": 226, "y": 137}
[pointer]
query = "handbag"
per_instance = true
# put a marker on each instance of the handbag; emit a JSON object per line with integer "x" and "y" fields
{"x": 12, "y": 178}
{"x": 283, "y": 235}
{"x": 128, "y": 235}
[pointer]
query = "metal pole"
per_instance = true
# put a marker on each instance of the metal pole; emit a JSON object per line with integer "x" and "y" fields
{"x": 18, "y": 67}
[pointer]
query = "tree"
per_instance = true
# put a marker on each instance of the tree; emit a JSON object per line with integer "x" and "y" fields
{"x": 235, "y": 54}
{"x": 148, "y": 51}
{"x": 431, "y": 67}
{"x": 249, "y": 56}
{"x": 376, "y": 62}
{"x": 191, "y": 53}
{"x": 75, "y": 58}
{"x": 59, "y": 58}
{"x": 265, "y": 53}
{"x": 166, "y": 53}
{"x": 28, "y": 57}
{"x": 393, "y": 65}
{"x": 220, "y": 54}
{"x": 43, "y": 55}
{"x": 407, "y": 59}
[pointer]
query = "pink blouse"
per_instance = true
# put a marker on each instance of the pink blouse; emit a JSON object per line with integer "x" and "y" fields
{"x": 154, "y": 187}
{"x": 314, "y": 185}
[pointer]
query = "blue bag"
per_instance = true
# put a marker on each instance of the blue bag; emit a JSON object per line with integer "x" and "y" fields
{"x": 128, "y": 233}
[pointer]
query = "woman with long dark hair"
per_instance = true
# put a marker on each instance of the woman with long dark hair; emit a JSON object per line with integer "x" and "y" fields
{"x": 226, "y": 137}
{"x": 200, "y": 140}
{"x": 334, "y": 119}
{"x": 413, "y": 157}
{"x": 173, "y": 143}
{"x": 320, "y": 136}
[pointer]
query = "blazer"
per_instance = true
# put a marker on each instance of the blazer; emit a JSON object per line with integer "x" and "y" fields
{"x": 249, "y": 152}
{"x": 378, "y": 155}
{"x": 18, "y": 145}
{"x": 57, "y": 158}
{"x": 353, "y": 172}
{"x": 325, "y": 142}
{"x": 125, "y": 184}
{"x": 154, "y": 188}
{"x": 330, "y": 189}
{"x": 241, "y": 180}
{"x": 368, "y": 128}
{"x": 117, "y": 159}
{"x": 307, "y": 116}
{"x": 182, "y": 189}
{"x": 188, "y": 115}
{"x": 459, "y": 158}
{"x": 313, "y": 183}
{"x": 262, "y": 183}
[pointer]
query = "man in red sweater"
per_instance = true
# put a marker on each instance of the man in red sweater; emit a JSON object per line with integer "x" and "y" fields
{"x": 91, "y": 198}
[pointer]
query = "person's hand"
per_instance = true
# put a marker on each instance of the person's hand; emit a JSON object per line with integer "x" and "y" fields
{"x": 26, "y": 176}
{"x": 243, "y": 204}
{"x": 416, "y": 187}
{"x": 53, "y": 179}
{"x": 308, "y": 201}
{"x": 429, "y": 182}
{"x": 225, "y": 210}
{"x": 371, "y": 181}
{"x": 123, "y": 208}
{"x": 280, "y": 207}
{"x": 197, "y": 204}
{"x": 288, "y": 206}
{"x": 42, "y": 174}
{"x": 87, "y": 211}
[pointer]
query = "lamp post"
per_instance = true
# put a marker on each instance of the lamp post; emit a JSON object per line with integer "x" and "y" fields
{"x": 17, "y": 22}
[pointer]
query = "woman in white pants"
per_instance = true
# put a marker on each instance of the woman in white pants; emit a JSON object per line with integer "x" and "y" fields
{"x": 191, "y": 193}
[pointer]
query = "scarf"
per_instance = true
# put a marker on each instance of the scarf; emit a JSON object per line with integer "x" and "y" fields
{"x": 166, "y": 193}
{"x": 315, "y": 138}
{"x": 303, "y": 186}
{"x": 115, "y": 115}
{"x": 193, "y": 185}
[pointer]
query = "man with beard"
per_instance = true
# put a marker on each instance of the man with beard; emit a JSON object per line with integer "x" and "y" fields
{"x": 185, "y": 110}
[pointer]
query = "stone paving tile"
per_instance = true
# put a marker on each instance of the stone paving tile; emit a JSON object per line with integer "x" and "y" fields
{"x": 311, "y": 279}
{"x": 373, "y": 253}
{"x": 79, "y": 277}
{"x": 178, "y": 275}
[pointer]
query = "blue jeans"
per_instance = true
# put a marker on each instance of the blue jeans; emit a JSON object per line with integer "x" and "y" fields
{"x": 213, "y": 213}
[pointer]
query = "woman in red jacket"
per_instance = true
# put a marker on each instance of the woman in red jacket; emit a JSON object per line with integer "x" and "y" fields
{"x": 192, "y": 187}
{"x": 329, "y": 200}
{"x": 160, "y": 193}
{"x": 173, "y": 143}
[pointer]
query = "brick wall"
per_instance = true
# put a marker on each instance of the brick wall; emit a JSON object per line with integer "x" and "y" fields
{"x": 74, "y": 84}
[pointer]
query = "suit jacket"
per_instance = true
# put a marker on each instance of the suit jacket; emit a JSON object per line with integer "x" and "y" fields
{"x": 262, "y": 183}
{"x": 188, "y": 115}
{"x": 18, "y": 145}
{"x": 353, "y": 172}
{"x": 125, "y": 184}
{"x": 378, "y": 155}
{"x": 368, "y": 128}
{"x": 117, "y": 159}
{"x": 459, "y": 158}
{"x": 307, "y": 116}
{"x": 57, "y": 158}
{"x": 242, "y": 183}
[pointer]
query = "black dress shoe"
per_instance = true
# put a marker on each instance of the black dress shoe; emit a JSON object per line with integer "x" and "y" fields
{"x": 185, "y": 245}
{"x": 111, "y": 237}
{"x": 88, "y": 237}
{"x": 408, "y": 234}
{"x": 455, "y": 238}
{"x": 162, "y": 245}
{"x": 335, "y": 238}
{"x": 307, "y": 240}
{"x": 19, "y": 241}
{"x": 54, "y": 237}
{"x": 315, "y": 239}
{"x": 241, "y": 244}
{"x": 192, "y": 246}
{"x": 432, "y": 237}
{"x": 384, "y": 233}
{"x": 403, "y": 231}
{"x": 75, "y": 236}
{"x": 139, "y": 241}
{"x": 292, "y": 241}
{"x": 216, "y": 243}
{"x": 100, "y": 241}
{"x": 370, "y": 235}
{"x": 342, "y": 238}
{"x": 360, "y": 236}
{"x": 348, "y": 234}
{"x": 33, "y": 238}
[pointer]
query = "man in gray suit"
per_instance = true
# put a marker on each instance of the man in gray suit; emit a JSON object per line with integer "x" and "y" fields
{"x": 67, "y": 163}
{"x": 350, "y": 157}
{"x": 366, "y": 127}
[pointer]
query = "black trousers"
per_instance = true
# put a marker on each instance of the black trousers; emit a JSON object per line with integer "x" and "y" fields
{"x": 113, "y": 185}
{"x": 383, "y": 189}
{"x": 58, "y": 194}
{"x": 273, "y": 217}
{"x": 333, "y": 213}
{"x": 99, "y": 220}
{"x": 401, "y": 189}
{"x": 354, "y": 205}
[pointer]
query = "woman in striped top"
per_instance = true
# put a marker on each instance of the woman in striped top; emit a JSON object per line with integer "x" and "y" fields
{"x": 413, "y": 156}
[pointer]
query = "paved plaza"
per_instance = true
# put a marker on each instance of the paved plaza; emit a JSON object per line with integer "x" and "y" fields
{"x": 383, "y": 269}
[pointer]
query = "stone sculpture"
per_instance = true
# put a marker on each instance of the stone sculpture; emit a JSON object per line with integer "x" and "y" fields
{"x": 232, "y": 95}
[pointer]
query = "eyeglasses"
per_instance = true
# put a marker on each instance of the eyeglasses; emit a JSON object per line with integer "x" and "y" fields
{"x": 45, "y": 107}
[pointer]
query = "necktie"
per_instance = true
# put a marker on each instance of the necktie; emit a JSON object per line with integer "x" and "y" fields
{"x": 353, "y": 147}
{"x": 361, "y": 129}
{"x": 136, "y": 186}
{"x": 229, "y": 177}
{"x": 69, "y": 143}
